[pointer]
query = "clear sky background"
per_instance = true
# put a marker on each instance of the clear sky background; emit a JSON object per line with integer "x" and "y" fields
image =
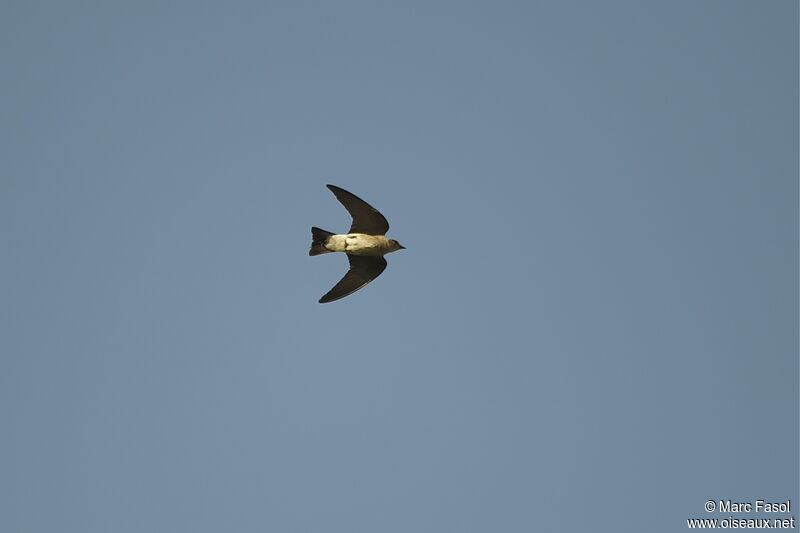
{"x": 594, "y": 326}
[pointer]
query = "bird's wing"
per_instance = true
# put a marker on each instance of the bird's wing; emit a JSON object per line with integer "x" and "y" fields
{"x": 363, "y": 269}
{"x": 366, "y": 219}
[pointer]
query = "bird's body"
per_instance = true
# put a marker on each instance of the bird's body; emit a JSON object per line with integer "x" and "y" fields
{"x": 360, "y": 244}
{"x": 365, "y": 245}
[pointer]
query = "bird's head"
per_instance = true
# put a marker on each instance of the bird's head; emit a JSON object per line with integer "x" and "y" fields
{"x": 394, "y": 245}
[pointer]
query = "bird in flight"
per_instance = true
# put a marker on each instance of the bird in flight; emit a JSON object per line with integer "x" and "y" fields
{"x": 365, "y": 245}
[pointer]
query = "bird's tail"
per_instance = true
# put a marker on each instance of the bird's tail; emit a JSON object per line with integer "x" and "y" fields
{"x": 318, "y": 239}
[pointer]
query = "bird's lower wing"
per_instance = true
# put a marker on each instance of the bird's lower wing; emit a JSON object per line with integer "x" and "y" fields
{"x": 363, "y": 269}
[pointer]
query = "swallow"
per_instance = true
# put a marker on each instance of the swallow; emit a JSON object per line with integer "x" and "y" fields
{"x": 365, "y": 244}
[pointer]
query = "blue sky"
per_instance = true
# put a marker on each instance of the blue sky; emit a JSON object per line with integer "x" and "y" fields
{"x": 594, "y": 326}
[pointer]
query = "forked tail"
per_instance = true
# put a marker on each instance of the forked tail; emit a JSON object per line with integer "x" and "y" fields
{"x": 318, "y": 239}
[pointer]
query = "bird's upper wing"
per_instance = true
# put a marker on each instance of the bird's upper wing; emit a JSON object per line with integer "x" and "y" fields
{"x": 363, "y": 269}
{"x": 366, "y": 219}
